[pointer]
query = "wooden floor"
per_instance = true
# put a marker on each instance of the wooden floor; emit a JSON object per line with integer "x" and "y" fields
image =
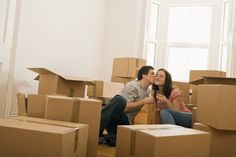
{"x": 106, "y": 151}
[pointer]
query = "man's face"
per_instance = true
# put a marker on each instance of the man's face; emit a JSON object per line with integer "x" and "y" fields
{"x": 150, "y": 76}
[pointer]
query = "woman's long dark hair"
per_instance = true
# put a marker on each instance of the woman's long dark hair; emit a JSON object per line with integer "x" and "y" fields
{"x": 168, "y": 85}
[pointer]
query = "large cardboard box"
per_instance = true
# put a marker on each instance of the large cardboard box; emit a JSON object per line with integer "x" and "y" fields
{"x": 161, "y": 141}
{"x": 36, "y": 105}
{"x": 185, "y": 89}
{"x": 51, "y": 83}
{"x": 199, "y": 74}
{"x": 122, "y": 79}
{"x": 78, "y": 110}
{"x": 29, "y": 138}
{"x": 127, "y": 67}
{"x": 217, "y": 106}
{"x": 22, "y": 104}
{"x": 126, "y": 138}
{"x": 223, "y": 143}
{"x": 172, "y": 141}
{"x": 105, "y": 89}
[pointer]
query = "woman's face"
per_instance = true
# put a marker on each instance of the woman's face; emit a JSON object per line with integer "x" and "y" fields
{"x": 160, "y": 78}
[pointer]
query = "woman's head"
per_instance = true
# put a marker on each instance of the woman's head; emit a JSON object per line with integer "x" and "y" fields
{"x": 163, "y": 79}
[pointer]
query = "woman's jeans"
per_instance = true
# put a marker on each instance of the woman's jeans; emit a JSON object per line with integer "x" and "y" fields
{"x": 169, "y": 116}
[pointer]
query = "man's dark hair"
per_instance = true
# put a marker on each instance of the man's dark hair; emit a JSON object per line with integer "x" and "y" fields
{"x": 144, "y": 71}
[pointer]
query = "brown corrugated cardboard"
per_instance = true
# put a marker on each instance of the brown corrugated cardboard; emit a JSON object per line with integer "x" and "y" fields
{"x": 185, "y": 88}
{"x": 33, "y": 138}
{"x": 223, "y": 143}
{"x": 81, "y": 134}
{"x": 105, "y": 89}
{"x": 127, "y": 67}
{"x": 126, "y": 138}
{"x": 198, "y": 74}
{"x": 55, "y": 83}
{"x": 22, "y": 104}
{"x": 216, "y": 105}
{"x": 79, "y": 110}
{"x": 122, "y": 79}
{"x": 172, "y": 141}
{"x": 36, "y": 105}
{"x": 148, "y": 115}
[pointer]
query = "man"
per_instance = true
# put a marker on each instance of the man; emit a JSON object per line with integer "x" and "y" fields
{"x": 122, "y": 108}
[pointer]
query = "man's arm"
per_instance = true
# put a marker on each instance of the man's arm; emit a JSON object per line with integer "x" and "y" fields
{"x": 134, "y": 105}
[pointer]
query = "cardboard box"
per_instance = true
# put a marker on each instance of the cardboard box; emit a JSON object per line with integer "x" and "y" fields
{"x": 22, "y": 104}
{"x": 148, "y": 115}
{"x": 105, "y": 89}
{"x": 36, "y": 105}
{"x": 127, "y": 67}
{"x": 163, "y": 136}
{"x": 122, "y": 79}
{"x": 199, "y": 74}
{"x": 126, "y": 138}
{"x": 37, "y": 139}
{"x": 172, "y": 141}
{"x": 185, "y": 90}
{"x": 216, "y": 106}
{"x": 223, "y": 143}
{"x": 78, "y": 110}
{"x": 51, "y": 83}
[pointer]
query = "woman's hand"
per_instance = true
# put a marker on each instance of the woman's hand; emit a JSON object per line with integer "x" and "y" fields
{"x": 161, "y": 98}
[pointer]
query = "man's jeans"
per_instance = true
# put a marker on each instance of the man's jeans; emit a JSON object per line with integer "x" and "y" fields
{"x": 113, "y": 115}
{"x": 169, "y": 116}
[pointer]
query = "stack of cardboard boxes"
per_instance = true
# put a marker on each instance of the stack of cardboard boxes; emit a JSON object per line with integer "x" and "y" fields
{"x": 216, "y": 113}
{"x": 62, "y": 98}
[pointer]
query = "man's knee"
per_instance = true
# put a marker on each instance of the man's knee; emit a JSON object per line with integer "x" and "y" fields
{"x": 121, "y": 101}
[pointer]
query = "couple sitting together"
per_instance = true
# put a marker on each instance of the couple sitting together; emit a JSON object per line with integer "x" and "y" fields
{"x": 122, "y": 108}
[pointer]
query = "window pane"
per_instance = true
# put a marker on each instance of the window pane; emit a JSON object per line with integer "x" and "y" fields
{"x": 189, "y": 24}
{"x": 153, "y": 21}
{"x": 225, "y": 21}
{"x": 223, "y": 61}
{"x": 150, "y": 51}
{"x": 181, "y": 60}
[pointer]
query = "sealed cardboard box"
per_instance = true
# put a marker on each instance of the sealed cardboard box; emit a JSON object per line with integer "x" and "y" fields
{"x": 32, "y": 138}
{"x": 36, "y": 105}
{"x": 22, "y": 104}
{"x": 126, "y": 138}
{"x": 127, "y": 67}
{"x": 51, "y": 83}
{"x": 216, "y": 105}
{"x": 78, "y": 110}
{"x": 223, "y": 143}
{"x": 184, "y": 88}
{"x": 105, "y": 89}
{"x": 172, "y": 141}
{"x": 199, "y": 74}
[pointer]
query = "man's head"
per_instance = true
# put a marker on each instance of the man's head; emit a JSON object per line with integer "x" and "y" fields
{"x": 147, "y": 73}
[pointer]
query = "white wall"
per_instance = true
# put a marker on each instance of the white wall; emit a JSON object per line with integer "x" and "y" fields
{"x": 74, "y": 37}
{"x": 124, "y": 31}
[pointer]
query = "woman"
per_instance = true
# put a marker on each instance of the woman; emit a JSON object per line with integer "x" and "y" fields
{"x": 169, "y": 101}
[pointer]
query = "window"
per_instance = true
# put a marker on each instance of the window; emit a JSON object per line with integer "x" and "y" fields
{"x": 224, "y": 53}
{"x": 151, "y": 33}
{"x": 188, "y": 39}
